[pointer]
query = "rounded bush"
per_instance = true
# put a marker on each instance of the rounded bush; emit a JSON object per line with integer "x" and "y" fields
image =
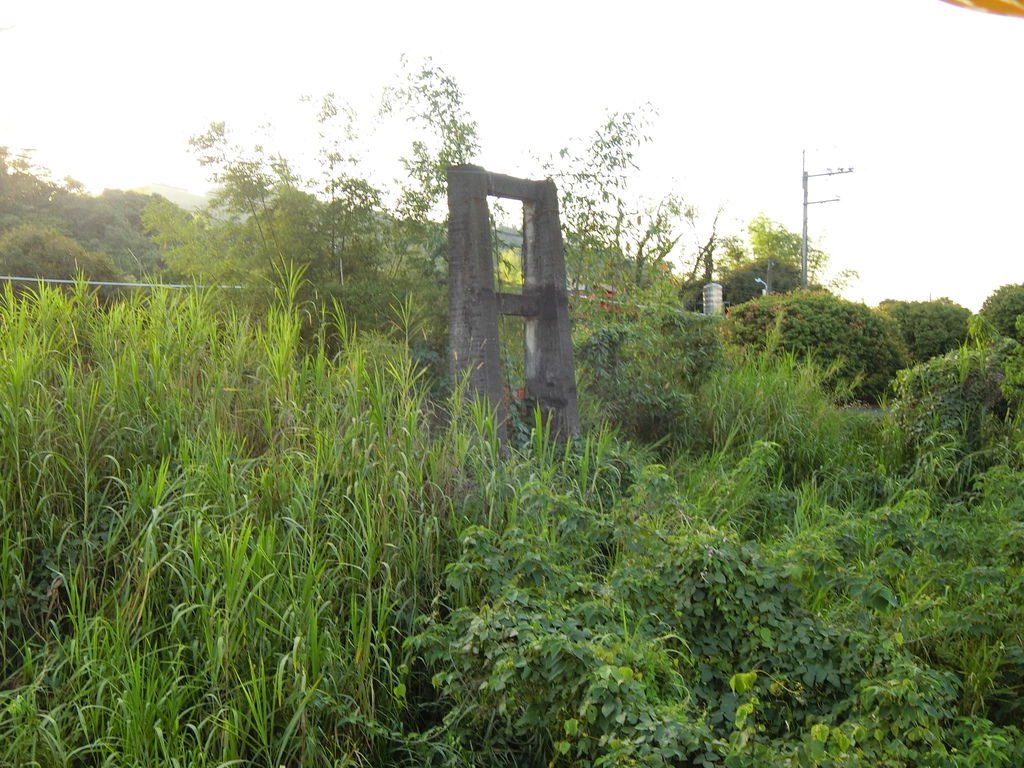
{"x": 929, "y": 328}
{"x": 1002, "y": 309}
{"x": 864, "y": 345}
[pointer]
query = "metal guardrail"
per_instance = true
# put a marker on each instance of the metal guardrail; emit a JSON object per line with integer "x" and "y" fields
{"x": 66, "y": 281}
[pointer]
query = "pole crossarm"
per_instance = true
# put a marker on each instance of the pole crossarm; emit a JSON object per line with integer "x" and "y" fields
{"x": 829, "y": 173}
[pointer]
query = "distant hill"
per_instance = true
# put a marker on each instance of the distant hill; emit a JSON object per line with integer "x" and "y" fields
{"x": 182, "y": 197}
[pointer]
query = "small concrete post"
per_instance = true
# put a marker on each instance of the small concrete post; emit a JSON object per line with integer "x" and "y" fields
{"x": 474, "y": 305}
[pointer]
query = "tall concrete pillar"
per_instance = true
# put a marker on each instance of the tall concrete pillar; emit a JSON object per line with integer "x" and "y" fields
{"x": 550, "y": 371}
{"x": 472, "y": 299}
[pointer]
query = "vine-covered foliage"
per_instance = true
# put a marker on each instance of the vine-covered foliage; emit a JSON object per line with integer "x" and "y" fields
{"x": 545, "y": 657}
{"x": 535, "y": 648}
{"x": 960, "y": 404}
{"x": 641, "y": 365}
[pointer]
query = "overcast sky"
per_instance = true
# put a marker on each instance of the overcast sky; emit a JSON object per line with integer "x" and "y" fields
{"x": 922, "y": 99}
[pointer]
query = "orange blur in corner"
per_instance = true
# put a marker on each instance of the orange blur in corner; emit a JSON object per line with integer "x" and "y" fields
{"x": 1003, "y": 7}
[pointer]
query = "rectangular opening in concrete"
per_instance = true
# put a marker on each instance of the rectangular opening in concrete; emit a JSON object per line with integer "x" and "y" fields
{"x": 507, "y": 243}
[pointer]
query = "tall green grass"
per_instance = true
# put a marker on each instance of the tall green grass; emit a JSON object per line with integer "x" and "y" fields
{"x": 771, "y": 449}
{"x": 216, "y": 534}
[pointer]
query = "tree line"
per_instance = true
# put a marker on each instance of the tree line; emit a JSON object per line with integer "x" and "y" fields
{"x": 370, "y": 245}
{"x": 352, "y": 232}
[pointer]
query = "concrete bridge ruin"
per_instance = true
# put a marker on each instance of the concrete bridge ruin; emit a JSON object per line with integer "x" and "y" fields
{"x": 474, "y": 303}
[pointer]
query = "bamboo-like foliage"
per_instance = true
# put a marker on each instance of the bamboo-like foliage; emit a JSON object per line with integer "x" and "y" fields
{"x": 215, "y": 534}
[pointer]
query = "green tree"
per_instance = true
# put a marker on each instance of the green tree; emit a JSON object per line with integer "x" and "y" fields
{"x": 740, "y": 283}
{"x": 367, "y": 246}
{"x": 27, "y": 193}
{"x": 23, "y": 194}
{"x": 354, "y": 212}
{"x": 1002, "y": 309}
{"x": 110, "y": 223}
{"x": 267, "y": 217}
{"x": 773, "y": 255}
{"x": 249, "y": 182}
{"x": 612, "y": 235}
{"x": 709, "y": 246}
{"x": 430, "y": 100}
{"x": 197, "y": 245}
{"x": 35, "y": 251}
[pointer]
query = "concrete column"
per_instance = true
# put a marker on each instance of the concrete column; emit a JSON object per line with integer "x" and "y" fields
{"x": 472, "y": 300}
{"x": 550, "y": 371}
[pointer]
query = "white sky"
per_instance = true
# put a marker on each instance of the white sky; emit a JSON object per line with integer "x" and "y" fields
{"x": 922, "y": 98}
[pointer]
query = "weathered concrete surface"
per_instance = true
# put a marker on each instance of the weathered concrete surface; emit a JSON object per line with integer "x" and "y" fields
{"x": 550, "y": 371}
{"x": 472, "y": 301}
{"x": 474, "y": 305}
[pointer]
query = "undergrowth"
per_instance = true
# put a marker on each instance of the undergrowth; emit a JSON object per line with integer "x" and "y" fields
{"x": 226, "y": 542}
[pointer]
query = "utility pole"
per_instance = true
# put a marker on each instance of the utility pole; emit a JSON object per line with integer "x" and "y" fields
{"x": 803, "y": 240}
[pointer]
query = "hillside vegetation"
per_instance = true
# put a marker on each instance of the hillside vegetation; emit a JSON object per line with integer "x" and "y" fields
{"x": 239, "y": 542}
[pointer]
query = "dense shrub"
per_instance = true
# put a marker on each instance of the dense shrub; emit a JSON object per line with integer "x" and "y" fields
{"x": 640, "y": 370}
{"x": 545, "y": 660}
{"x": 1013, "y": 373}
{"x": 1003, "y": 308}
{"x": 929, "y": 328}
{"x": 533, "y": 651}
{"x": 945, "y": 576}
{"x": 863, "y": 343}
{"x": 957, "y": 404}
